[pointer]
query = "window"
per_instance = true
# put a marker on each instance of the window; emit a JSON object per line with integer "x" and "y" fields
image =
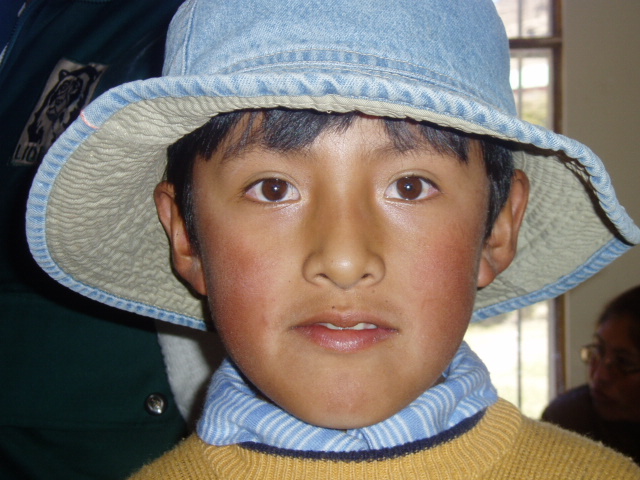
{"x": 521, "y": 348}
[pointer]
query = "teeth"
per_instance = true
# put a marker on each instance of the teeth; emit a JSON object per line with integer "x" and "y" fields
{"x": 360, "y": 326}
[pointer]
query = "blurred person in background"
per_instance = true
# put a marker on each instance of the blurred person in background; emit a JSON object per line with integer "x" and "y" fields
{"x": 607, "y": 408}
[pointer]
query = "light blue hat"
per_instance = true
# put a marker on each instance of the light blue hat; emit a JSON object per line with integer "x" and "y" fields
{"x": 91, "y": 221}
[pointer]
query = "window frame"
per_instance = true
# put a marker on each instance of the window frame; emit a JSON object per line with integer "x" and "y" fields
{"x": 557, "y": 306}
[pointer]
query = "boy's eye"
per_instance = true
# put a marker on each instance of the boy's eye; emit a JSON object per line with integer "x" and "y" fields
{"x": 272, "y": 190}
{"x": 410, "y": 188}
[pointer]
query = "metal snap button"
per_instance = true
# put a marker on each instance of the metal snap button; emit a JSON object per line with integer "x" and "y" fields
{"x": 155, "y": 404}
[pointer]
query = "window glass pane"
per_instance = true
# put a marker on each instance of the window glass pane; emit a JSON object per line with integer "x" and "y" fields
{"x": 531, "y": 84}
{"x": 534, "y": 358}
{"x": 515, "y": 348}
{"x": 525, "y": 18}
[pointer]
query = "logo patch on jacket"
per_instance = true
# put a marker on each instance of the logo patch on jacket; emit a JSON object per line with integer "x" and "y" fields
{"x": 70, "y": 87}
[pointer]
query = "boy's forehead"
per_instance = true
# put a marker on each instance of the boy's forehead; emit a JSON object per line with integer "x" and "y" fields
{"x": 383, "y": 135}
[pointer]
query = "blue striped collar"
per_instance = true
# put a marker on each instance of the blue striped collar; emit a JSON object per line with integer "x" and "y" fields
{"x": 234, "y": 414}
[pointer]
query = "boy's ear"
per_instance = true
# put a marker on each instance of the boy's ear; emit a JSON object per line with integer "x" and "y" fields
{"x": 184, "y": 256}
{"x": 500, "y": 248}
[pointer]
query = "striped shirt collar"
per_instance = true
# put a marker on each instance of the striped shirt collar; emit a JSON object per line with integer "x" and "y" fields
{"x": 234, "y": 414}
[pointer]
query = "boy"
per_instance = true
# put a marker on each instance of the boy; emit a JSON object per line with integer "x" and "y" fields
{"x": 346, "y": 185}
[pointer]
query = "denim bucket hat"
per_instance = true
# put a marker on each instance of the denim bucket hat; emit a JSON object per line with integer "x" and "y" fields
{"x": 91, "y": 221}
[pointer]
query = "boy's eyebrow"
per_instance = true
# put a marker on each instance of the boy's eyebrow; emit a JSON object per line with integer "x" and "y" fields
{"x": 235, "y": 151}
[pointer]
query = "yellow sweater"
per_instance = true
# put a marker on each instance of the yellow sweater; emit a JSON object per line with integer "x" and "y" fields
{"x": 503, "y": 445}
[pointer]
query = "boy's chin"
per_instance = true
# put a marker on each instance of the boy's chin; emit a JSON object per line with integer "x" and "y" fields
{"x": 344, "y": 416}
{"x": 346, "y": 421}
{"x": 345, "y": 403}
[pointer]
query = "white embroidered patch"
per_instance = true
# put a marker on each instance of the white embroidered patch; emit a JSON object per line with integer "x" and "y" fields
{"x": 69, "y": 88}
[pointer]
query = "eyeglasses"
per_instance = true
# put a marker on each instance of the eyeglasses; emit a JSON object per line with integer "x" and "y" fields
{"x": 595, "y": 352}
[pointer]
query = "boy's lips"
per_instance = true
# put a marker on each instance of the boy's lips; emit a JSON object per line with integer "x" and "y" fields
{"x": 345, "y": 333}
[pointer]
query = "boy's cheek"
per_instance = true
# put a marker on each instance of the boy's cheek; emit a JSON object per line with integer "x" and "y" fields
{"x": 240, "y": 280}
{"x": 443, "y": 269}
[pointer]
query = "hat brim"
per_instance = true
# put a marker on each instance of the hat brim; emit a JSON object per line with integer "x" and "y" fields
{"x": 103, "y": 239}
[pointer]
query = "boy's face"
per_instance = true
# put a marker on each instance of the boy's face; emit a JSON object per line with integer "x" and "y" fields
{"x": 341, "y": 277}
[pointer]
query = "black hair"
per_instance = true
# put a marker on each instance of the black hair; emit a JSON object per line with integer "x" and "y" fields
{"x": 286, "y": 130}
{"x": 627, "y": 305}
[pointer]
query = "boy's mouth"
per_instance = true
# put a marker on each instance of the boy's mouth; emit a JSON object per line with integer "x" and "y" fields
{"x": 345, "y": 333}
{"x": 359, "y": 326}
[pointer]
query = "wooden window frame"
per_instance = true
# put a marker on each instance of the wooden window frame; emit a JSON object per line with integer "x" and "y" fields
{"x": 557, "y": 307}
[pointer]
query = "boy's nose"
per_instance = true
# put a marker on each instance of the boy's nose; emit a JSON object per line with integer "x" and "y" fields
{"x": 343, "y": 249}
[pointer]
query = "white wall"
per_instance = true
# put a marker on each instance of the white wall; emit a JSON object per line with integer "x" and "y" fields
{"x": 602, "y": 109}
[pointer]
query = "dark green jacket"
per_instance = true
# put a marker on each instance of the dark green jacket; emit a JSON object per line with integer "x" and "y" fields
{"x": 77, "y": 377}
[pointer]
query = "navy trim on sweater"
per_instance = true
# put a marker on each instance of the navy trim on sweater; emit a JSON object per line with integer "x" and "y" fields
{"x": 373, "y": 455}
